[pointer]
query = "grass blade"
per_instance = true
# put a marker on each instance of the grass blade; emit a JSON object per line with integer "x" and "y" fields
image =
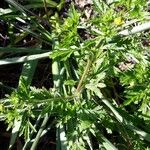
{"x": 61, "y": 138}
{"x": 107, "y": 144}
{"x": 21, "y": 50}
{"x": 34, "y": 145}
{"x": 22, "y": 59}
{"x": 15, "y": 130}
{"x": 136, "y": 29}
{"x": 130, "y": 126}
{"x": 28, "y": 71}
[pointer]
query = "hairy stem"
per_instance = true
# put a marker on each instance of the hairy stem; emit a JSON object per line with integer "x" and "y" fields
{"x": 84, "y": 75}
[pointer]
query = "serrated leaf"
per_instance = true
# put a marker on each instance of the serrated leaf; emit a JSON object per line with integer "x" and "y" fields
{"x": 101, "y": 76}
{"x": 94, "y": 89}
{"x": 85, "y": 124}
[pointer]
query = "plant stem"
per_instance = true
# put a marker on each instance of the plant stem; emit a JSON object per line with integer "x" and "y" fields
{"x": 84, "y": 75}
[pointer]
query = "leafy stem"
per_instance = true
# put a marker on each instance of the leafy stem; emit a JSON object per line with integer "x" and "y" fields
{"x": 79, "y": 87}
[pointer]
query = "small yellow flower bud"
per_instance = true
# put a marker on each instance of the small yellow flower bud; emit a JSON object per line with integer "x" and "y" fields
{"x": 118, "y": 21}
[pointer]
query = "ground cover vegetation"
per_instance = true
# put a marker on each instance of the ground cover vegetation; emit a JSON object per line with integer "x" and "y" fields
{"x": 75, "y": 74}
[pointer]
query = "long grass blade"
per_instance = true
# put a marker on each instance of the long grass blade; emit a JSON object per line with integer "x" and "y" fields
{"x": 34, "y": 145}
{"x": 60, "y": 133}
{"x": 136, "y": 29}
{"x": 107, "y": 144}
{"x": 21, "y": 50}
{"x": 22, "y": 59}
{"x": 15, "y": 130}
{"x": 130, "y": 126}
{"x": 61, "y": 138}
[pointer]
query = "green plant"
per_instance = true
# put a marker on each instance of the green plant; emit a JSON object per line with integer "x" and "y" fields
{"x": 88, "y": 109}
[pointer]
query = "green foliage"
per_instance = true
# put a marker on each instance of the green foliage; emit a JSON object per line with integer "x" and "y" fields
{"x": 86, "y": 101}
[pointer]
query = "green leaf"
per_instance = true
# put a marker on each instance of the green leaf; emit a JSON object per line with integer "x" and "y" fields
{"x": 51, "y": 3}
{"x": 62, "y": 55}
{"x": 85, "y": 124}
{"x": 95, "y": 89}
{"x": 70, "y": 82}
{"x": 101, "y": 85}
